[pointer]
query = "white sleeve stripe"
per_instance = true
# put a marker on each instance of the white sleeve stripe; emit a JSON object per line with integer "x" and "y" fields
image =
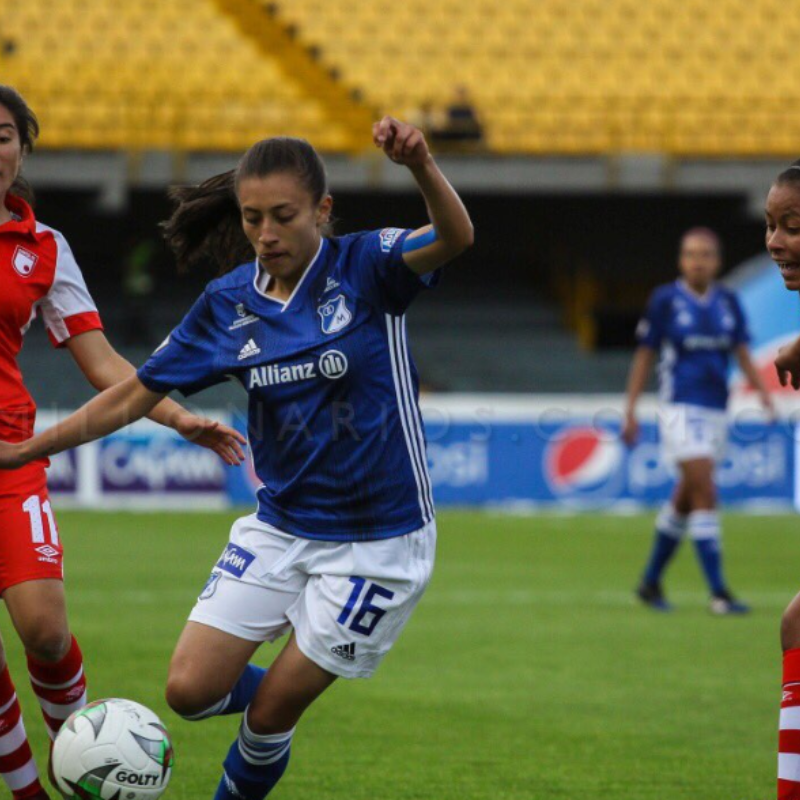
{"x": 68, "y": 296}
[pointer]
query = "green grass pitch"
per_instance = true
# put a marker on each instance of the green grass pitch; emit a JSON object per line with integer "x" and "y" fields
{"x": 526, "y": 672}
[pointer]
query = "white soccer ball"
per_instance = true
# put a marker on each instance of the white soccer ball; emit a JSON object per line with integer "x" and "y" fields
{"x": 113, "y": 750}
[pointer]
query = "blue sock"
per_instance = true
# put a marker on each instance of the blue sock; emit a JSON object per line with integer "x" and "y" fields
{"x": 254, "y": 764}
{"x": 704, "y": 529}
{"x": 670, "y": 528}
{"x": 239, "y": 698}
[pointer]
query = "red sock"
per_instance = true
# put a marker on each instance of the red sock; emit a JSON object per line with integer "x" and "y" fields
{"x": 17, "y": 767}
{"x": 60, "y": 687}
{"x": 789, "y": 739}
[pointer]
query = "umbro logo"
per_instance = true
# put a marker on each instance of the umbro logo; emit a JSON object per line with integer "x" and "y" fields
{"x": 249, "y": 350}
{"x": 47, "y": 551}
{"x": 345, "y": 651}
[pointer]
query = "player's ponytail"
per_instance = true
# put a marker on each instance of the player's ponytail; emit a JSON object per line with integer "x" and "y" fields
{"x": 206, "y": 225}
{"x": 28, "y": 131}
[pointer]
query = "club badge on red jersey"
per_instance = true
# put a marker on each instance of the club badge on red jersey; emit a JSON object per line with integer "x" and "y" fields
{"x": 24, "y": 261}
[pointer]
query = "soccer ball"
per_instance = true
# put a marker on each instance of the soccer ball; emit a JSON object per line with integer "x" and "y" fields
{"x": 113, "y": 750}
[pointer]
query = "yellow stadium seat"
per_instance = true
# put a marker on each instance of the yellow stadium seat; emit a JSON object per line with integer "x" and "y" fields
{"x": 547, "y": 76}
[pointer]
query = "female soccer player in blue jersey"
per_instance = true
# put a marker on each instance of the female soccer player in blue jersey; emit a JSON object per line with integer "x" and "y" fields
{"x": 342, "y": 544}
{"x": 695, "y": 324}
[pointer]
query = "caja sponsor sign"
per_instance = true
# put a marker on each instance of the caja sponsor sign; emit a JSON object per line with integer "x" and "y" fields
{"x": 145, "y": 466}
{"x": 158, "y": 463}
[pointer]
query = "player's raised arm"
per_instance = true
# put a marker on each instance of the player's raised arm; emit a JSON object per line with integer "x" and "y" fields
{"x": 450, "y": 231}
{"x": 111, "y": 410}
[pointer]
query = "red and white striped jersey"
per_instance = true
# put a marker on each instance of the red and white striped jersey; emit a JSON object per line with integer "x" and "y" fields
{"x": 38, "y": 274}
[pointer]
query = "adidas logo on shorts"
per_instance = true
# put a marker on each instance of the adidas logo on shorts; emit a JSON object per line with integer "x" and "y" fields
{"x": 345, "y": 651}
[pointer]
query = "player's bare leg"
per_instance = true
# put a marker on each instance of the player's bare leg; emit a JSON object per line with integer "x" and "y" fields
{"x": 207, "y": 666}
{"x": 670, "y": 529}
{"x": 293, "y": 682}
{"x": 38, "y": 610}
{"x": 704, "y": 528}
{"x": 17, "y": 768}
{"x": 259, "y": 756}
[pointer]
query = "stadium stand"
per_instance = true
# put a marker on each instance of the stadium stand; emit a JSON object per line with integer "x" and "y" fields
{"x": 148, "y": 74}
{"x": 551, "y": 76}
{"x": 577, "y": 76}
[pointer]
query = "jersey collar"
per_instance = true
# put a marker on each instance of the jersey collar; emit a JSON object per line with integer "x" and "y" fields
{"x": 284, "y": 305}
{"x": 22, "y": 220}
{"x": 700, "y": 299}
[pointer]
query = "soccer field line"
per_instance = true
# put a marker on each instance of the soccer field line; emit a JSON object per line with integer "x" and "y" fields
{"x": 612, "y": 598}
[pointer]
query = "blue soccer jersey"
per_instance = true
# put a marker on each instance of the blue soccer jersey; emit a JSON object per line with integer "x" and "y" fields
{"x": 333, "y": 418}
{"x": 696, "y": 336}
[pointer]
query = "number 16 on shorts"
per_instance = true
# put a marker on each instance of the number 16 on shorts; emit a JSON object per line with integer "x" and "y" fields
{"x": 361, "y": 610}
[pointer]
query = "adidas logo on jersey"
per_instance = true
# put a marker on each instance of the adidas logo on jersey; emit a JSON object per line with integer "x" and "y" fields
{"x": 249, "y": 350}
{"x": 345, "y": 651}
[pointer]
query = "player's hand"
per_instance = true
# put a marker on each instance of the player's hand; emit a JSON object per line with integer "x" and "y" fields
{"x": 403, "y": 143}
{"x": 11, "y": 456}
{"x": 224, "y": 441}
{"x": 787, "y": 365}
{"x": 630, "y": 429}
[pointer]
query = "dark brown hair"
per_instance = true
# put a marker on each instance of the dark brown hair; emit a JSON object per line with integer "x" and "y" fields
{"x": 706, "y": 233}
{"x": 206, "y": 223}
{"x": 790, "y": 175}
{"x": 28, "y": 130}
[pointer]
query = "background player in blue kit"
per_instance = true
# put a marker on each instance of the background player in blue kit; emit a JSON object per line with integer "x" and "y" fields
{"x": 695, "y": 324}
{"x": 342, "y": 544}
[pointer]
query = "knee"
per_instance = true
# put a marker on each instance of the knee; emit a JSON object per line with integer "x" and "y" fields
{"x": 790, "y": 627}
{"x": 703, "y": 496}
{"x": 183, "y": 698}
{"x": 46, "y": 641}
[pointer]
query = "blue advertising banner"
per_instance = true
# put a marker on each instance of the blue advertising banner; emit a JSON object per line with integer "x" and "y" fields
{"x": 579, "y": 462}
{"x": 584, "y": 465}
{"x": 562, "y": 452}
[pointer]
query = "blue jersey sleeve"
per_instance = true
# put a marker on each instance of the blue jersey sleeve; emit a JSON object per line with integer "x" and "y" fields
{"x": 187, "y": 360}
{"x": 384, "y": 275}
{"x": 652, "y": 326}
{"x": 741, "y": 332}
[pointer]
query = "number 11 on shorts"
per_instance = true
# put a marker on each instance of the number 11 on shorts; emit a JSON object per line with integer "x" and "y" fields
{"x": 33, "y": 507}
{"x": 366, "y": 607}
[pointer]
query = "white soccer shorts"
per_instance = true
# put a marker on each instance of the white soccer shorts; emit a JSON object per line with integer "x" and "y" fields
{"x": 347, "y": 601}
{"x": 690, "y": 432}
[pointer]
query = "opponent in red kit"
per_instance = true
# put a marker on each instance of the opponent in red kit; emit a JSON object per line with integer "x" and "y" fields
{"x": 783, "y": 243}
{"x": 39, "y": 276}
